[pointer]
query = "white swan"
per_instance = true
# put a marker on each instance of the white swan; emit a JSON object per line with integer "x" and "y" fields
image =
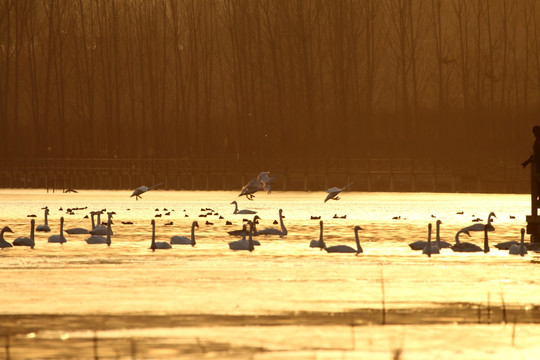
{"x": 480, "y": 226}
{"x": 519, "y": 249}
{"x": 251, "y": 188}
{"x": 45, "y": 227}
{"x": 243, "y": 230}
{"x": 98, "y": 239}
{"x": 99, "y": 228}
{"x": 345, "y": 248}
{"x": 242, "y": 244}
{"x": 184, "y": 240}
{"x": 60, "y": 237}
{"x": 243, "y": 211}
{"x": 317, "y": 243}
{"x": 271, "y": 231}
{"x": 142, "y": 189}
{"x": 159, "y": 244}
{"x": 430, "y": 248}
{"x": 4, "y": 243}
{"x": 26, "y": 241}
{"x": 267, "y": 180}
{"x": 441, "y": 244}
{"x": 80, "y": 231}
{"x": 334, "y": 192}
{"x": 465, "y": 246}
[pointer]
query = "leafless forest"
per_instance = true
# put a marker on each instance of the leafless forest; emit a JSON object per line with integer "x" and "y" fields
{"x": 269, "y": 79}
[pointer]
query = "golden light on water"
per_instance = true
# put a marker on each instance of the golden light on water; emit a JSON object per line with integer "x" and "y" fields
{"x": 279, "y": 297}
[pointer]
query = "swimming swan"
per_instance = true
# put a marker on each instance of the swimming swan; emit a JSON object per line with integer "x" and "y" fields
{"x": 45, "y": 227}
{"x": 242, "y": 244}
{"x": 98, "y": 239}
{"x": 25, "y": 241}
{"x": 243, "y": 211}
{"x": 184, "y": 240}
{"x": 60, "y": 237}
{"x": 519, "y": 249}
{"x": 317, "y": 243}
{"x": 430, "y": 248}
{"x": 272, "y": 231}
{"x": 345, "y": 248}
{"x": 4, "y": 243}
{"x": 160, "y": 244}
{"x": 441, "y": 244}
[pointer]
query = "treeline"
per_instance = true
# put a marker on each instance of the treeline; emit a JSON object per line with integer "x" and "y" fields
{"x": 256, "y": 79}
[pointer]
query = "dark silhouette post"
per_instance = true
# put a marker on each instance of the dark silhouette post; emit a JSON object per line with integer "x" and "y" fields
{"x": 533, "y": 220}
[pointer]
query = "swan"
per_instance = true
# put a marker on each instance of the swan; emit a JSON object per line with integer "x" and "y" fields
{"x": 464, "y": 246}
{"x": 242, "y": 244}
{"x": 251, "y": 188}
{"x": 25, "y": 241}
{"x": 344, "y": 248}
{"x": 334, "y": 192}
{"x": 78, "y": 230}
{"x": 4, "y": 243}
{"x": 243, "y": 230}
{"x": 430, "y": 248}
{"x": 45, "y": 227}
{"x": 98, "y": 239}
{"x": 480, "y": 227}
{"x": 60, "y": 237}
{"x": 519, "y": 249}
{"x": 243, "y": 211}
{"x": 272, "y": 231}
{"x": 267, "y": 180}
{"x": 142, "y": 189}
{"x": 160, "y": 244}
{"x": 441, "y": 244}
{"x": 99, "y": 228}
{"x": 317, "y": 243}
{"x": 184, "y": 240}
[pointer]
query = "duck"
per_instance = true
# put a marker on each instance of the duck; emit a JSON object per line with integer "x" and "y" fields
{"x": 272, "y": 231}
{"x": 344, "y": 248}
{"x": 243, "y": 211}
{"x": 184, "y": 240}
{"x": 519, "y": 249}
{"x": 3, "y": 243}
{"x": 26, "y": 241}
{"x": 44, "y": 227}
{"x": 430, "y": 248}
{"x": 159, "y": 244}
{"x": 59, "y": 238}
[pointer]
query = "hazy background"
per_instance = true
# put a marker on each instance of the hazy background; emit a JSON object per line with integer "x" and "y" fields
{"x": 456, "y": 80}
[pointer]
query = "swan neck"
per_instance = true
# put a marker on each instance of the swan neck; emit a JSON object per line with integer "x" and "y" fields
{"x": 357, "y": 238}
{"x": 193, "y": 234}
{"x": 283, "y": 228}
{"x": 457, "y": 237}
{"x": 486, "y": 241}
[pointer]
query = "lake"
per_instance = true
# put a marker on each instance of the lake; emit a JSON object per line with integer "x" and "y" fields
{"x": 283, "y": 300}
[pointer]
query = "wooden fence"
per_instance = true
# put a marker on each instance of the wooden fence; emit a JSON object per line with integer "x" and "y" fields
{"x": 298, "y": 174}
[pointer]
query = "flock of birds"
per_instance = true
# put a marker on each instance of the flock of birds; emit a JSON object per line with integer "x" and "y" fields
{"x": 101, "y": 233}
